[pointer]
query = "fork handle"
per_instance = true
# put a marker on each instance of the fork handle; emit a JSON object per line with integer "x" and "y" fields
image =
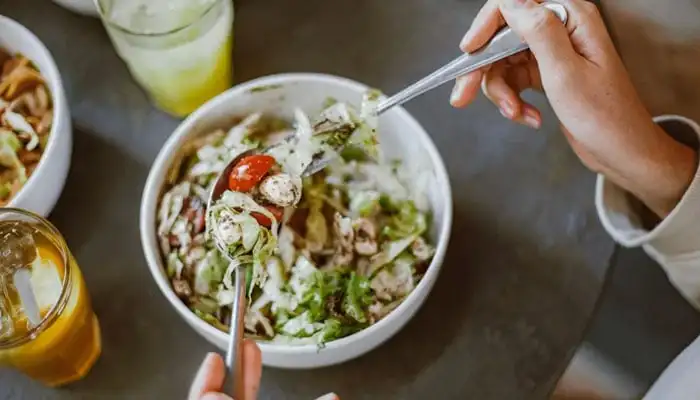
{"x": 504, "y": 43}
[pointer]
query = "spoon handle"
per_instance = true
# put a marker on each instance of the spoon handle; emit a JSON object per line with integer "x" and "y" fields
{"x": 234, "y": 356}
{"x": 504, "y": 44}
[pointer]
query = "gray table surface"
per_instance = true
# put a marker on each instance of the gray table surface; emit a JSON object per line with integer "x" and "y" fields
{"x": 528, "y": 257}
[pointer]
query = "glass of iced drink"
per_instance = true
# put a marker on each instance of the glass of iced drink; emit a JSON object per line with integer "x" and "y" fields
{"x": 47, "y": 327}
{"x": 180, "y": 51}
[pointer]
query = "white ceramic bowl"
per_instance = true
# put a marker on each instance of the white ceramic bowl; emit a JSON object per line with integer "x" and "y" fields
{"x": 43, "y": 188}
{"x": 84, "y": 7}
{"x": 400, "y": 136}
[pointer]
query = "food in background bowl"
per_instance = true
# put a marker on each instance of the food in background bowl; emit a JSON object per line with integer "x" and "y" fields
{"x": 26, "y": 116}
{"x": 346, "y": 256}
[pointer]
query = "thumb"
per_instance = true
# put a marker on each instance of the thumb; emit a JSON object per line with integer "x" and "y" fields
{"x": 209, "y": 378}
{"x": 541, "y": 30}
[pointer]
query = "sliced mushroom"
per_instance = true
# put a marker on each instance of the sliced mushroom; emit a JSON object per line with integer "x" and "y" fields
{"x": 227, "y": 230}
{"x": 281, "y": 190}
{"x": 343, "y": 231}
{"x": 421, "y": 250}
{"x": 363, "y": 266}
{"x": 182, "y": 288}
{"x": 344, "y": 237}
{"x": 365, "y": 237}
{"x": 380, "y": 310}
{"x": 193, "y": 211}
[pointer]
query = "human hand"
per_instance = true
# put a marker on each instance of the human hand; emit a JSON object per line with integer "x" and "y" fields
{"x": 587, "y": 85}
{"x": 209, "y": 381}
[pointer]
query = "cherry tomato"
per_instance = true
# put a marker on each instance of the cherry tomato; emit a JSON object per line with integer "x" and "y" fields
{"x": 277, "y": 212}
{"x": 249, "y": 172}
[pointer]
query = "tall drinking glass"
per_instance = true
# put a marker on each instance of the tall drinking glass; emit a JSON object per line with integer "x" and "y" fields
{"x": 180, "y": 51}
{"x": 63, "y": 342}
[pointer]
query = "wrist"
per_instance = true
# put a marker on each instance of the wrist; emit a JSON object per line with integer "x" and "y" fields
{"x": 665, "y": 170}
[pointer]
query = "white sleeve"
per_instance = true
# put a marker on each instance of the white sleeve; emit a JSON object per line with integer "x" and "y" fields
{"x": 675, "y": 242}
{"x": 679, "y": 381}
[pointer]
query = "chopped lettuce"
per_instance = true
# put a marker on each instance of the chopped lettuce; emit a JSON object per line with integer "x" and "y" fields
{"x": 405, "y": 219}
{"x": 210, "y": 319}
{"x": 316, "y": 225}
{"x": 365, "y": 203}
{"x": 301, "y": 326}
{"x": 366, "y": 134}
{"x": 357, "y": 297}
{"x": 9, "y": 146}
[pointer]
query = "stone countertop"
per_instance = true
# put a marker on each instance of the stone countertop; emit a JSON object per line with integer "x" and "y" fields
{"x": 524, "y": 270}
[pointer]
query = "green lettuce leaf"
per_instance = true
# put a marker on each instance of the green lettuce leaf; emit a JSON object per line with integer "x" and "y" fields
{"x": 9, "y": 146}
{"x": 357, "y": 297}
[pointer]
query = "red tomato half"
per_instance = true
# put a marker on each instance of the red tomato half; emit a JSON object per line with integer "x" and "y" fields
{"x": 249, "y": 172}
{"x": 277, "y": 212}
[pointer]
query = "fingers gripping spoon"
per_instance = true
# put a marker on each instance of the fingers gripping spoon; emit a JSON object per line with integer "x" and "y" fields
{"x": 504, "y": 43}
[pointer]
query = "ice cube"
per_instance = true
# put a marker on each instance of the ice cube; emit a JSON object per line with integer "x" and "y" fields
{"x": 25, "y": 290}
{"x": 17, "y": 248}
{"x": 46, "y": 282}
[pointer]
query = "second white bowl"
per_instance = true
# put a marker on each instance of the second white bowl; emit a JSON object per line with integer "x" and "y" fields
{"x": 44, "y": 187}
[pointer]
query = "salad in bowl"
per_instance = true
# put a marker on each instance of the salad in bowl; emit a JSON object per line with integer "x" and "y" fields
{"x": 330, "y": 258}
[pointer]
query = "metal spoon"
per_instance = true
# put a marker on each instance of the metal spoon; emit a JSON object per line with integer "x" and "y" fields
{"x": 233, "y": 359}
{"x": 332, "y": 120}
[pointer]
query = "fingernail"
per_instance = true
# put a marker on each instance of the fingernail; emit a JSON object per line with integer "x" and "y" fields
{"x": 328, "y": 396}
{"x": 457, "y": 90}
{"x": 507, "y": 109}
{"x": 465, "y": 40}
{"x": 531, "y": 119}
